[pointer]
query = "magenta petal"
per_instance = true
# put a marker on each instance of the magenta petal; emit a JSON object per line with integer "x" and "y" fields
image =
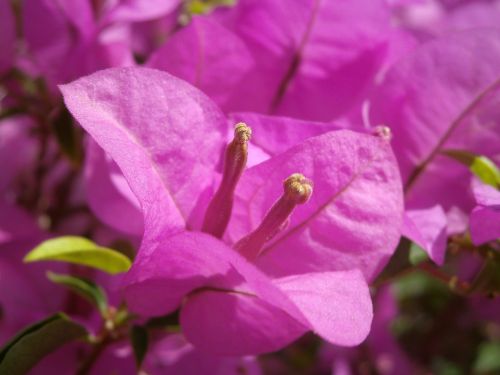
{"x": 236, "y": 324}
{"x": 337, "y": 305}
{"x": 427, "y": 228}
{"x": 474, "y": 14}
{"x": 26, "y": 295}
{"x": 109, "y": 195}
{"x": 207, "y": 55}
{"x": 173, "y": 355}
{"x": 168, "y": 269}
{"x": 274, "y": 134}
{"x": 444, "y": 96}
{"x": 303, "y": 67}
{"x": 353, "y": 218}
{"x": 79, "y": 14}
{"x": 17, "y": 150}
{"x": 156, "y": 128}
{"x": 190, "y": 260}
{"x": 138, "y": 10}
{"x": 16, "y": 224}
{"x": 484, "y": 194}
{"x": 484, "y": 224}
{"x": 485, "y": 218}
{"x": 7, "y": 35}
{"x": 53, "y": 31}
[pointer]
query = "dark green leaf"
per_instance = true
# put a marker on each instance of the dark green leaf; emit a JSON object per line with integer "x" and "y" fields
{"x": 85, "y": 288}
{"x": 165, "y": 321}
{"x": 26, "y": 349}
{"x": 480, "y": 166}
{"x": 139, "y": 340}
{"x": 82, "y": 251}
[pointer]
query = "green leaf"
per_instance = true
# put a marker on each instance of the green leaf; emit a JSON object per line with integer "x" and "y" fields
{"x": 206, "y": 6}
{"x": 164, "y": 321}
{"x": 85, "y": 288}
{"x": 488, "y": 361}
{"x": 417, "y": 255}
{"x": 140, "y": 341}
{"x": 443, "y": 366}
{"x": 26, "y": 349}
{"x": 480, "y": 166}
{"x": 82, "y": 251}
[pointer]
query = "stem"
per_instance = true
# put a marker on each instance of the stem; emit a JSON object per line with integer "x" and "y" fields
{"x": 456, "y": 285}
{"x": 94, "y": 355}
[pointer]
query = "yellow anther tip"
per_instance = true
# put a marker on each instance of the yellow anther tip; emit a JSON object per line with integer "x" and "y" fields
{"x": 298, "y": 188}
{"x": 383, "y": 132}
{"x": 242, "y": 132}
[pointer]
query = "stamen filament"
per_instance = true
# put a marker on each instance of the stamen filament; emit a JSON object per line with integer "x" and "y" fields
{"x": 297, "y": 190}
{"x": 235, "y": 159}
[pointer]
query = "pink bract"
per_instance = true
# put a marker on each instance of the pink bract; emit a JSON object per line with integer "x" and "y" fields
{"x": 167, "y": 138}
{"x": 314, "y": 59}
{"x": 485, "y": 218}
{"x": 443, "y": 96}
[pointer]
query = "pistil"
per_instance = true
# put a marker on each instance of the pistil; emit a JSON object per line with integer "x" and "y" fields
{"x": 235, "y": 159}
{"x": 296, "y": 190}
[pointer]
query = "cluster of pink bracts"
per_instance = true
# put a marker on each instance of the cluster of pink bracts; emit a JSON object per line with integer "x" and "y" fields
{"x": 263, "y": 159}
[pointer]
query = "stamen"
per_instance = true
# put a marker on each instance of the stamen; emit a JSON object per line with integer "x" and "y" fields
{"x": 383, "y": 132}
{"x": 235, "y": 160}
{"x": 297, "y": 190}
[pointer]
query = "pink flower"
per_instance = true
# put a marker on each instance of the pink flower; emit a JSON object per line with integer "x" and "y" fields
{"x": 381, "y": 346}
{"x": 26, "y": 295}
{"x": 173, "y": 355}
{"x": 68, "y": 39}
{"x": 308, "y": 59}
{"x": 207, "y": 55}
{"x": 286, "y": 273}
{"x": 444, "y": 96}
{"x": 428, "y": 19}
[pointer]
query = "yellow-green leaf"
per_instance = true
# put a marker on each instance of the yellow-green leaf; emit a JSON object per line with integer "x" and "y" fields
{"x": 85, "y": 288}
{"x": 480, "y": 166}
{"x": 82, "y": 251}
{"x": 206, "y": 6}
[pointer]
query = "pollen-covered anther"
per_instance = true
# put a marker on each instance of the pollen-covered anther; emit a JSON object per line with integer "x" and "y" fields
{"x": 235, "y": 160}
{"x": 383, "y": 132}
{"x": 242, "y": 133}
{"x": 297, "y": 188}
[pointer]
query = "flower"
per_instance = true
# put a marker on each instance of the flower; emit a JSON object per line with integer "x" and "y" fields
{"x": 307, "y": 59}
{"x": 67, "y": 39}
{"x": 288, "y": 272}
{"x": 444, "y": 96}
